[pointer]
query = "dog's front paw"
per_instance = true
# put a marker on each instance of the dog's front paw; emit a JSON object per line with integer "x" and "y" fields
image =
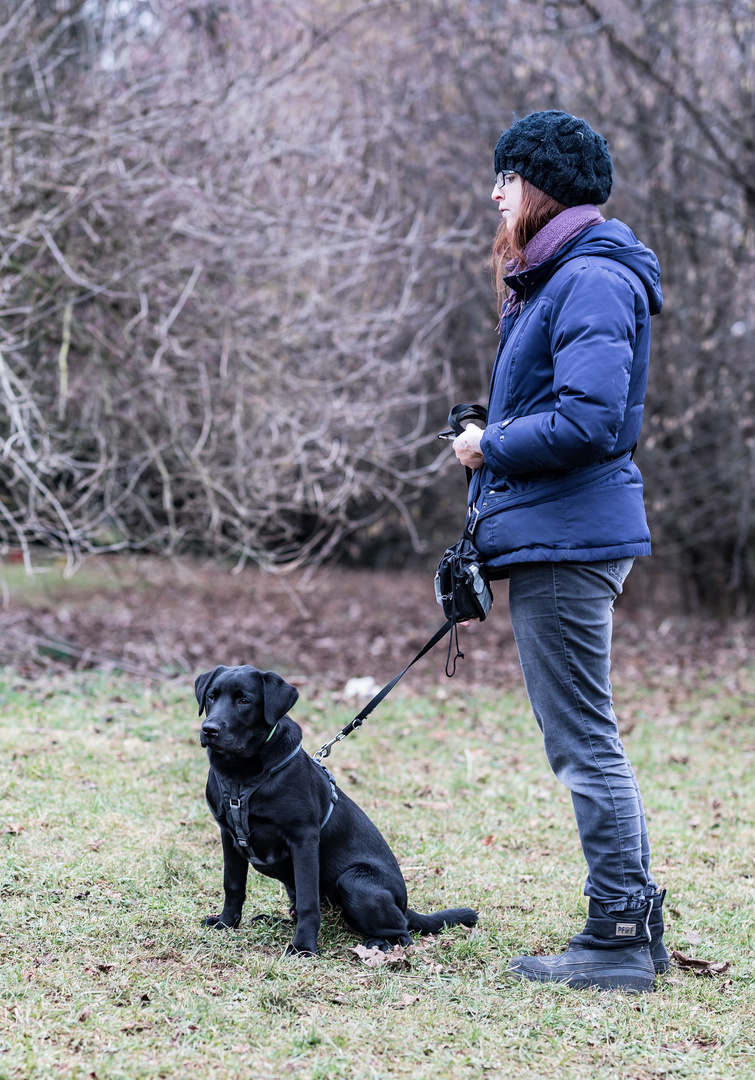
{"x": 296, "y": 950}
{"x": 218, "y": 922}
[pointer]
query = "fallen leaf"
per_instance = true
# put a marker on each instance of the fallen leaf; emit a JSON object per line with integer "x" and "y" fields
{"x": 426, "y": 942}
{"x": 405, "y": 1001}
{"x": 701, "y": 967}
{"x": 694, "y": 937}
{"x": 376, "y": 957}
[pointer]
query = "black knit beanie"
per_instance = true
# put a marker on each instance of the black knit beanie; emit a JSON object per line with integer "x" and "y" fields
{"x": 560, "y": 154}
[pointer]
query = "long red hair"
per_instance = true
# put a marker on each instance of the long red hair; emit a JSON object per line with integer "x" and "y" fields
{"x": 535, "y": 210}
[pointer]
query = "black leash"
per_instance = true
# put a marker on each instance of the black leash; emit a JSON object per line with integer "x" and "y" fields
{"x": 458, "y": 416}
{"x": 358, "y": 720}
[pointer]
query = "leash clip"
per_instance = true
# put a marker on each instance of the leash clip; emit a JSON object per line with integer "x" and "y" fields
{"x": 325, "y": 749}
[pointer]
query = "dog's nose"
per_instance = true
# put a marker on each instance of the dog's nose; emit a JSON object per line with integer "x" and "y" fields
{"x": 210, "y": 730}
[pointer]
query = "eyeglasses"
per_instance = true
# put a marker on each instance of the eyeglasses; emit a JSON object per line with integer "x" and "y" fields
{"x": 501, "y": 179}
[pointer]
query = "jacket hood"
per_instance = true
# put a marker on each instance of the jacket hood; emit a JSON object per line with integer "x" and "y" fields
{"x": 611, "y": 240}
{"x": 615, "y": 240}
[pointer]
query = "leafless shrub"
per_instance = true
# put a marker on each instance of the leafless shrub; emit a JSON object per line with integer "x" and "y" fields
{"x": 219, "y": 304}
{"x": 243, "y": 259}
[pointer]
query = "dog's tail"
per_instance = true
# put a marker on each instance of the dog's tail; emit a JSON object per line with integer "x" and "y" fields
{"x": 432, "y": 924}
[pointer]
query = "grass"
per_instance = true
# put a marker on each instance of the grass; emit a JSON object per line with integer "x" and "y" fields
{"x": 111, "y": 860}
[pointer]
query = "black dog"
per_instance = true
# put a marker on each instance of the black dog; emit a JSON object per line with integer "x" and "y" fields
{"x": 281, "y": 811}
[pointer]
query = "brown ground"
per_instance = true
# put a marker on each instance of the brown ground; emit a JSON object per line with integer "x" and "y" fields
{"x": 175, "y": 618}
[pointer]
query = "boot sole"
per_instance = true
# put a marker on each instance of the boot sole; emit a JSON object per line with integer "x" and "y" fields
{"x": 606, "y": 980}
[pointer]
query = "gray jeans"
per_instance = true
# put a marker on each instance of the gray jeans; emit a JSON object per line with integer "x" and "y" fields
{"x": 562, "y": 616}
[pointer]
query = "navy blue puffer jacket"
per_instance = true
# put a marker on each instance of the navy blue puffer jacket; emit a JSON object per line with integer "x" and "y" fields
{"x": 565, "y": 407}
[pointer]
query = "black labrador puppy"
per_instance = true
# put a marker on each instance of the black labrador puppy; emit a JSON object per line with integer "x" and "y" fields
{"x": 281, "y": 811}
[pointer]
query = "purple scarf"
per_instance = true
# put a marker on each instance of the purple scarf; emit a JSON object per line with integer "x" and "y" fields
{"x": 551, "y": 238}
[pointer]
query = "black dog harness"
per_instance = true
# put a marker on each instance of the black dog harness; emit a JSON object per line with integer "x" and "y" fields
{"x": 235, "y": 798}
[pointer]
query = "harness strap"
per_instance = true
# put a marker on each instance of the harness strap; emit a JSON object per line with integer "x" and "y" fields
{"x": 237, "y": 812}
{"x": 333, "y": 794}
{"x": 236, "y": 797}
{"x": 281, "y": 764}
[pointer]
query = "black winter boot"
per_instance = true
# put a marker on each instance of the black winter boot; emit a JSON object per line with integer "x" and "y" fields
{"x": 611, "y": 953}
{"x": 658, "y": 951}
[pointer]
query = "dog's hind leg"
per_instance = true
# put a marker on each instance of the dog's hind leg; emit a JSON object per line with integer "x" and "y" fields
{"x": 291, "y": 904}
{"x": 372, "y": 910}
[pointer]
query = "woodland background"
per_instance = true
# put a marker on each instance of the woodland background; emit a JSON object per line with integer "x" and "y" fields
{"x": 244, "y": 256}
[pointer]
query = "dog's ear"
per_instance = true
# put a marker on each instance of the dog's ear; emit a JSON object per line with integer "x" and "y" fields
{"x": 280, "y": 696}
{"x": 202, "y": 685}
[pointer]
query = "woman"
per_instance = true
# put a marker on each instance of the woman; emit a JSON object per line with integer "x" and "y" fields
{"x": 556, "y": 505}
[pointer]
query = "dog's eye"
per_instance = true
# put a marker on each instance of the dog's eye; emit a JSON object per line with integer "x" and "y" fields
{"x": 211, "y": 696}
{"x": 242, "y": 701}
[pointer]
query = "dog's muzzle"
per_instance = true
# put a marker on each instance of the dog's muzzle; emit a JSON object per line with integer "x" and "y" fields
{"x": 208, "y": 732}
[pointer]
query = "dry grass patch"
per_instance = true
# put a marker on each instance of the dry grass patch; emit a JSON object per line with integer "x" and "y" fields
{"x": 111, "y": 859}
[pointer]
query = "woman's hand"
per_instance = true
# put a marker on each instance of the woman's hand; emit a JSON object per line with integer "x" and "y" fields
{"x": 467, "y": 446}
